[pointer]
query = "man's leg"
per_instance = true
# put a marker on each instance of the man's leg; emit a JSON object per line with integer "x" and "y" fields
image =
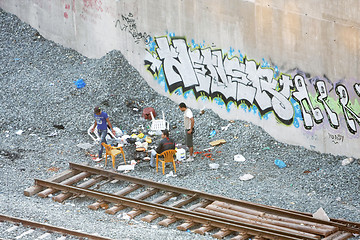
{"x": 189, "y": 144}
{"x": 152, "y": 158}
{"x": 191, "y": 151}
{"x": 102, "y": 134}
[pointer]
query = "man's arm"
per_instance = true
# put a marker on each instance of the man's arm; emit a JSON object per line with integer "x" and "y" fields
{"x": 93, "y": 129}
{"x": 192, "y": 125}
{"x": 109, "y": 124}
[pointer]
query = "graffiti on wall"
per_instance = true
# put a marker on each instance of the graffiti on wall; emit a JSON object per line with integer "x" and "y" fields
{"x": 237, "y": 82}
{"x": 128, "y": 24}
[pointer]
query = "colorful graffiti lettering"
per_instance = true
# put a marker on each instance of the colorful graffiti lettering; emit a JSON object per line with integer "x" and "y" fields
{"x": 231, "y": 80}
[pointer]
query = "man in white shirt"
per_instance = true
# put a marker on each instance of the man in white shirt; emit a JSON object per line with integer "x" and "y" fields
{"x": 189, "y": 129}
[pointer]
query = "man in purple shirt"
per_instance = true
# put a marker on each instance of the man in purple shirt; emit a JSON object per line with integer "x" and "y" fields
{"x": 102, "y": 122}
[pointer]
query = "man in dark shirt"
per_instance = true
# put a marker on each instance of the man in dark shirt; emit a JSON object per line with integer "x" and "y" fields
{"x": 165, "y": 144}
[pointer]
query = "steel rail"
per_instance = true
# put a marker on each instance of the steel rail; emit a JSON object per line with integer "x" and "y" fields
{"x": 50, "y": 228}
{"x": 259, "y": 207}
{"x": 180, "y": 213}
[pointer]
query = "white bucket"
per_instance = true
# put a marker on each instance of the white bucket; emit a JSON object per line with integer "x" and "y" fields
{"x": 180, "y": 154}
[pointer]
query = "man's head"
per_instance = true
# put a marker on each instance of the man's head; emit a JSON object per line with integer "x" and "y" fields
{"x": 182, "y": 106}
{"x": 165, "y": 133}
{"x": 97, "y": 110}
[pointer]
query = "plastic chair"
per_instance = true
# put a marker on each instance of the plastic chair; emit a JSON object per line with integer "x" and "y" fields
{"x": 95, "y": 136}
{"x": 113, "y": 151}
{"x": 168, "y": 156}
{"x": 158, "y": 124}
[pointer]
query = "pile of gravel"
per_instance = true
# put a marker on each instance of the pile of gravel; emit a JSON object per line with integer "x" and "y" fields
{"x": 44, "y": 117}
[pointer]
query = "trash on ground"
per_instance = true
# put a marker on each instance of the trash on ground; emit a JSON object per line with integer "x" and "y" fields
{"x": 214, "y": 165}
{"x": 148, "y": 139}
{"x": 212, "y": 133}
{"x": 246, "y": 177}
{"x": 180, "y": 154}
{"x": 141, "y": 146}
{"x": 347, "y": 161}
{"x": 226, "y": 127}
{"x": 80, "y": 83}
{"x": 217, "y": 142}
{"x": 171, "y": 174}
{"x": 266, "y": 148}
{"x": 19, "y": 132}
{"x": 279, "y": 163}
{"x": 146, "y": 113}
{"x": 84, "y": 145}
{"x": 52, "y": 134}
{"x": 127, "y": 167}
{"x": 320, "y": 214}
{"x": 125, "y": 216}
{"x": 208, "y": 149}
{"x": 118, "y": 132}
{"x": 239, "y": 158}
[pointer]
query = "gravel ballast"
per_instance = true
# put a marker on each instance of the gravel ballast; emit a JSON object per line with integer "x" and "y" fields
{"x": 44, "y": 117}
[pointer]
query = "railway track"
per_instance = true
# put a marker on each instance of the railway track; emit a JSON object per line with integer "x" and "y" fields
{"x": 17, "y": 228}
{"x": 188, "y": 209}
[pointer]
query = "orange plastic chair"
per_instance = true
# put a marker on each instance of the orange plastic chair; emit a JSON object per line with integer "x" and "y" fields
{"x": 164, "y": 157}
{"x": 113, "y": 151}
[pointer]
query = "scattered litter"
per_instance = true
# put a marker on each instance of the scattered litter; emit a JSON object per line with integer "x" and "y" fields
{"x": 246, "y": 177}
{"x": 208, "y": 149}
{"x": 19, "y": 132}
{"x": 279, "y": 163}
{"x": 146, "y": 159}
{"x": 141, "y": 147}
{"x": 52, "y": 134}
{"x": 80, "y": 83}
{"x": 217, "y": 142}
{"x": 84, "y": 145}
{"x": 226, "y": 127}
{"x": 266, "y": 148}
{"x": 154, "y": 226}
{"x": 148, "y": 139}
{"x": 347, "y": 161}
{"x": 125, "y": 216}
{"x": 212, "y": 133}
{"x": 118, "y": 132}
{"x": 214, "y": 165}
{"x": 171, "y": 174}
{"x": 59, "y": 126}
{"x": 239, "y": 158}
{"x": 146, "y": 113}
{"x": 53, "y": 169}
{"x": 11, "y": 229}
{"x": 114, "y": 181}
{"x": 173, "y": 199}
{"x": 320, "y": 214}
{"x": 180, "y": 154}
{"x": 127, "y": 167}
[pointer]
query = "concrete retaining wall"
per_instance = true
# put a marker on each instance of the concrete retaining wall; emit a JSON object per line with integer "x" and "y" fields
{"x": 288, "y": 66}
